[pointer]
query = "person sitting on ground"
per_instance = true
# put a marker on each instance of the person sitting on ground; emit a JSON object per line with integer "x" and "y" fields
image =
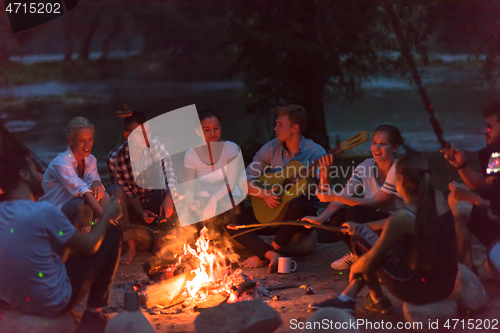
{"x": 492, "y": 262}
{"x": 415, "y": 257}
{"x": 34, "y": 280}
{"x": 212, "y": 168}
{"x": 470, "y": 209}
{"x": 139, "y": 205}
{"x": 72, "y": 182}
{"x": 375, "y": 180}
{"x": 289, "y": 145}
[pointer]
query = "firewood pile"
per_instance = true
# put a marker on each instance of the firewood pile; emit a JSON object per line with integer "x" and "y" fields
{"x": 168, "y": 294}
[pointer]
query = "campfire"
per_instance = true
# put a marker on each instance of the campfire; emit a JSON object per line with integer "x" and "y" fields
{"x": 202, "y": 277}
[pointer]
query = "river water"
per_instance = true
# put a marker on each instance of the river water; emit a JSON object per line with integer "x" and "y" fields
{"x": 40, "y": 112}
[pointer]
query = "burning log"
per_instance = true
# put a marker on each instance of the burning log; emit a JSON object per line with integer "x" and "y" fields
{"x": 211, "y": 301}
{"x": 160, "y": 268}
{"x": 168, "y": 292}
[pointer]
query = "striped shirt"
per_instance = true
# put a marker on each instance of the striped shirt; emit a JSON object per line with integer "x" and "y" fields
{"x": 366, "y": 174}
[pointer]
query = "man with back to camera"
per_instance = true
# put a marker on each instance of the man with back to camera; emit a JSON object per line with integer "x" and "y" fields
{"x": 289, "y": 145}
{"x": 34, "y": 234}
{"x": 470, "y": 209}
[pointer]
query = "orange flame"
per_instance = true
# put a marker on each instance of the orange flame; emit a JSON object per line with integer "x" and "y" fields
{"x": 211, "y": 266}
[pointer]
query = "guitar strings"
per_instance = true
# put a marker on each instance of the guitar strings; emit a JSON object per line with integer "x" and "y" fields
{"x": 353, "y": 141}
{"x": 297, "y": 177}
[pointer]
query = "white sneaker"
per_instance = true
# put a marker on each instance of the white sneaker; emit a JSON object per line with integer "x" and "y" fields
{"x": 344, "y": 263}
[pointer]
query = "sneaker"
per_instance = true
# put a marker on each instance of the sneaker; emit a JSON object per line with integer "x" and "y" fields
{"x": 334, "y": 302}
{"x": 92, "y": 322}
{"x": 344, "y": 263}
{"x": 382, "y": 306}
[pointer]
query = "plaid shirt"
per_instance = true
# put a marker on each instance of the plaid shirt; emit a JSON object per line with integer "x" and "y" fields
{"x": 119, "y": 158}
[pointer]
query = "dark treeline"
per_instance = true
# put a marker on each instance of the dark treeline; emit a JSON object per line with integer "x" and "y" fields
{"x": 293, "y": 51}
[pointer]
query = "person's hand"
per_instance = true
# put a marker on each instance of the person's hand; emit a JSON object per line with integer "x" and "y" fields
{"x": 467, "y": 196}
{"x": 454, "y": 186}
{"x": 455, "y": 156}
{"x": 97, "y": 189}
{"x": 210, "y": 208}
{"x": 349, "y": 227}
{"x": 325, "y": 162}
{"x": 461, "y": 192}
{"x": 324, "y": 194}
{"x": 312, "y": 219}
{"x": 112, "y": 209}
{"x": 167, "y": 206}
{"x": 148, "y": 216}
{"x": 271, "y": 200}
{"x": 194, "y": 205}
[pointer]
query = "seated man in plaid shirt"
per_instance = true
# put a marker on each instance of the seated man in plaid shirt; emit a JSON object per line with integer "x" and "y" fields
{"x": 139, "y": 205}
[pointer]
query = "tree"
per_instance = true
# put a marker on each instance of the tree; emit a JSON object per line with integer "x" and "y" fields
{"x": 302, "y": 51}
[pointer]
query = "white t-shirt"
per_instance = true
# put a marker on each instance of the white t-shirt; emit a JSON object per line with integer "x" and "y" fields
{"x": 33, "y": 278}
{"x": 61, "y": 182}
{"x": 209, "y": 180}
{"x": 366, "y": 173}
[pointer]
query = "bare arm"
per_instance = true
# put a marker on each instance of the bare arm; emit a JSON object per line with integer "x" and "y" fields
{"x": 400, "y": 223}
{"x": 474, "y": 180}
{"x": 328, "y": 212}
{"x": 93, "y": 203}
{"x": 378, "y": 225}
{"x": 90, "y": 244}
{"x": 375, "y": 203}
{"x": 325, "y": 163}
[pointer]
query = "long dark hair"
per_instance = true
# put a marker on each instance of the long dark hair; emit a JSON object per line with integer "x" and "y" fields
{"x": 417, "y": 183}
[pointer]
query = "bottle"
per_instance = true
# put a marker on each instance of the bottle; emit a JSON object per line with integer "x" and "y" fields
{"x": 132, "y": 320}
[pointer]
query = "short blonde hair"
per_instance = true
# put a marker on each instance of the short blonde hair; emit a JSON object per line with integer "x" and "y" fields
{"x": 75, "y": 124}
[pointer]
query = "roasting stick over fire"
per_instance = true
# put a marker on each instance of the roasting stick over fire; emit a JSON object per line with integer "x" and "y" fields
{"x": 259, "y": 226}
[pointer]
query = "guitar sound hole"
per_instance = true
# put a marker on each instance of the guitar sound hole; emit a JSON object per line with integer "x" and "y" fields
{"x": 277, "y": 190}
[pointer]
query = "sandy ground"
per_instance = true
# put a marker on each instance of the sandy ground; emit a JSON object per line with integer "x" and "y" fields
{"x": 312, "y": 270}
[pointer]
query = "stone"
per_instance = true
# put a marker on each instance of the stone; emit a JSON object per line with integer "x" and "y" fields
{"x": 469, "y": 292}
{"x": 441, "y": 310}
{"x": 18, "y": 322}
{"x": 301, "y": 244}
{"x": 130, "y": 322}
{"x": 337, "y": 320}
{"x": 240, "y": 317}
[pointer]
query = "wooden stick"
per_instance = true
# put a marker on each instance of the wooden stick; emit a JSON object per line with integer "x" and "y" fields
{"x": 277, "y": 224}
{"x": 161, "y": 232}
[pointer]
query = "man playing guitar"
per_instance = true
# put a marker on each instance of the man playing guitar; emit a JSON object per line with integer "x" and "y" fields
{"x": 289, "y": 145}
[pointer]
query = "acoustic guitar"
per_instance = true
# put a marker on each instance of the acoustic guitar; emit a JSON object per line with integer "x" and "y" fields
{"x": 292, "y": 182}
